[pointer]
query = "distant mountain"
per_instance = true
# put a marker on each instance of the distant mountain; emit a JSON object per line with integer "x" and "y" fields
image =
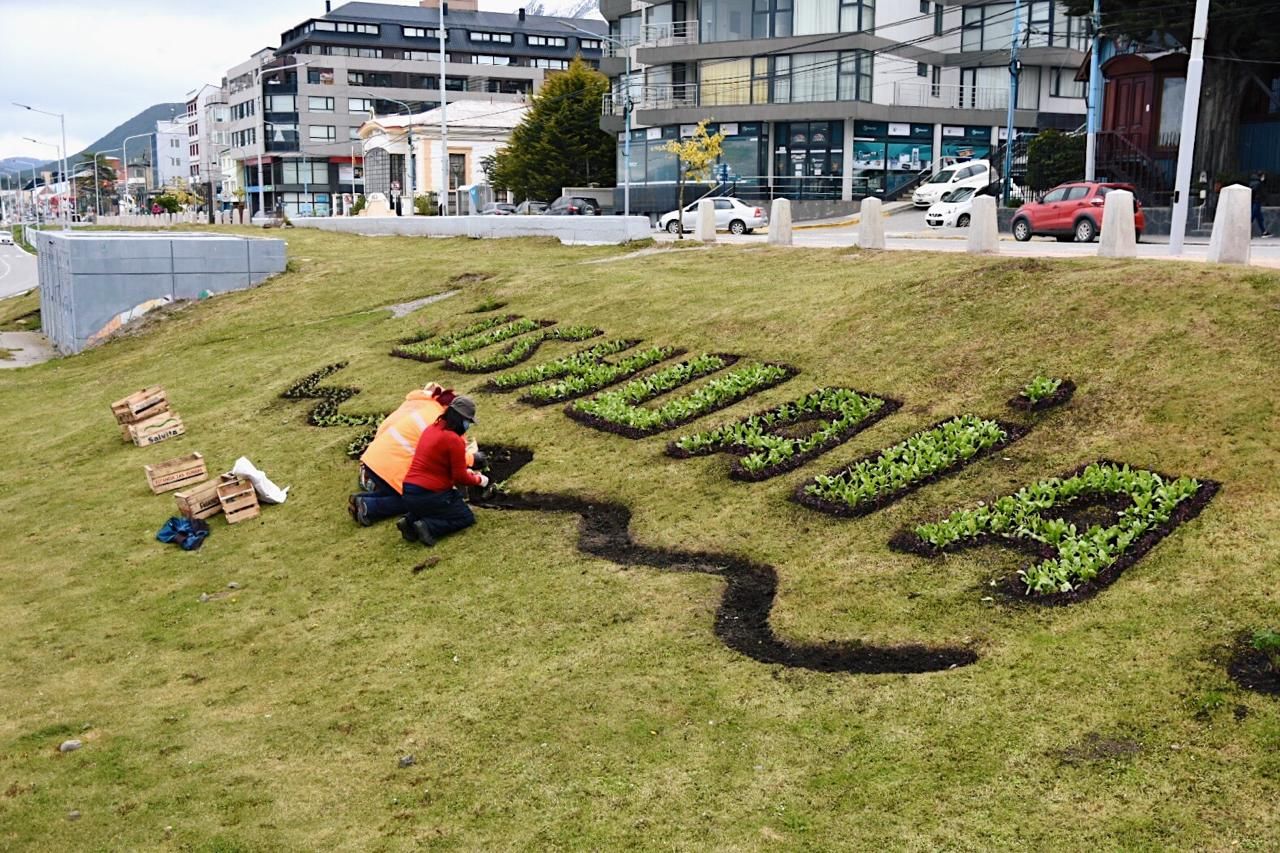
{"x": 566, "y": 9}
{"x": 143, "y": 122}
{"x": 10, "y": 166}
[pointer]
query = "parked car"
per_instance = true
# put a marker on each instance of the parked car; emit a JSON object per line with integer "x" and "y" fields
{"x": 573, "y": 206}
{"x": 6, "y": 239}
{"x": 973, "y": 174}
{"x": 497, "y": 208}
{"x": 955, "y": 212}
{"x": 1071, "y": 212}
{"x": 732, "y": 214}
{"x": 531, "y": 208}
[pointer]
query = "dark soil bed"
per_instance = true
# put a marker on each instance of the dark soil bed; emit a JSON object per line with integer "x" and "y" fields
{"x": 798, "y": 429}
{"x": 1080, "y": 509}
{"x": 1250, "y": 668}
{"x": 1057, "y": 398}
{"x": 1013, "y": 432}
{"x": 742, "y": 619}
{"x": 634, "y": 432}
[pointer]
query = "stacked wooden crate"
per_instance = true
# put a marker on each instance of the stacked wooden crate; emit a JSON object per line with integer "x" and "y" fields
{"x": 238, "y": 498}
{"x": 144, "y": 417}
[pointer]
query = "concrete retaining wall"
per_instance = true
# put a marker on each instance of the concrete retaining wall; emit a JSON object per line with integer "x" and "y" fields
{"x": 89, "y": 278}
{"x": 571, "y": 230}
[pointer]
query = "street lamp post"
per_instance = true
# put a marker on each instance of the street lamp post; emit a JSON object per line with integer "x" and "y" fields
{"x": 63, "y": 121}
{"x": 124, "y": 148}
{"x": 262, "y": 137}
{"x": 444, "y": 121}
{"x": 412, "y": 174}
{"x": 626, "y": 114}
{"x": 60, "y": 159}
{"x": 97, "y": 183}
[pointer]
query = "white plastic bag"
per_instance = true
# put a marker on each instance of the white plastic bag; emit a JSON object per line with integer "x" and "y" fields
{"x": 268, "y": 492}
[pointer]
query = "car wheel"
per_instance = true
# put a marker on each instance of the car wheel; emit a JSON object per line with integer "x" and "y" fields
{"x": 673, "y": 227}
{"x": 1021, "y": 230}
{"x": 1086, "y": 231}
{"x": 962, "y": 221}
{"x": 737, "y": 226}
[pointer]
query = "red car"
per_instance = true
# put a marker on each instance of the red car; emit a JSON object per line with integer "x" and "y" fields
{"x": 1071, "y": 212}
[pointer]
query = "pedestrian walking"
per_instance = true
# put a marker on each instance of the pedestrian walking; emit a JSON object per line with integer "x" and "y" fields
{"x": 1256, "y": 186}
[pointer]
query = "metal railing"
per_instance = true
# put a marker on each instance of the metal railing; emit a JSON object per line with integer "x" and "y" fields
{"x": 656, "y": 35}
{"x": 909, "y": 93}
{"x": 671, "y": 97}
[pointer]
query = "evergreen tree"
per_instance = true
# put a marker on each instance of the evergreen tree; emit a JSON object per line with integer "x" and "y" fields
{"x": 559, "y": 142}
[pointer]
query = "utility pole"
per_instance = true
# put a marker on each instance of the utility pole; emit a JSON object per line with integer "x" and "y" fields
{"x": 1187, "y": 141}
{"x": 1095, "y": 94}
{"x": 444, "y": 122}
{"x": 1014, "y": 70}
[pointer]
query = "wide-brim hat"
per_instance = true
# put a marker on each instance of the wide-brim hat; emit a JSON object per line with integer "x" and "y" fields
{"x": 464, "y": 406}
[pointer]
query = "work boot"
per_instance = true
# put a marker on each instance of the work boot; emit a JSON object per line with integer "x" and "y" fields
{"x": 405, "y": 526}
{"x": 351, "y": 508}
{"x": 362, "y": 513}
{"x": 424, "y": 533}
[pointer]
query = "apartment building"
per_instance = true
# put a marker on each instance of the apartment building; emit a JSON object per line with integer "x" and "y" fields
{"x": 296, "y": 110}
{"x": 832, "y": 99}
{"x": 169, "y": 152}
{"x": 205, "y": 122}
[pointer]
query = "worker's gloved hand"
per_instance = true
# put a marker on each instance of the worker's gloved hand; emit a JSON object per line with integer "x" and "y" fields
{"x": 484, "y": 481}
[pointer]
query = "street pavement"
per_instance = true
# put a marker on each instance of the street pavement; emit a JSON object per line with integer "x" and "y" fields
{"x": 906, "y": 231}
{"x": 17, "y": 271}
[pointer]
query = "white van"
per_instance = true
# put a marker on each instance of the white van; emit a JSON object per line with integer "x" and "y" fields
{"x": 974, "y": 173}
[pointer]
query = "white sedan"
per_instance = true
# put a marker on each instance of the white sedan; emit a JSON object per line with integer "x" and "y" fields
{"x": 732, "y": 215}
{"x": 955, "y": 212}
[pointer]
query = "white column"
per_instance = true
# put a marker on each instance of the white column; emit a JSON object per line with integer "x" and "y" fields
{"x": 1119, "y": 239}
{"x": 846, "y": 179}
{"x": 705, "y": 228}
{"x": 870, "y": 225}
{"x": 984, "y": 233}
{"x": 780, "y": 222}
{"x": 1232, "y": 227}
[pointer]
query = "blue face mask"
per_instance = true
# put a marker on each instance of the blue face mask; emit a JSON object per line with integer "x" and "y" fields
{"x": 466, "y": 425}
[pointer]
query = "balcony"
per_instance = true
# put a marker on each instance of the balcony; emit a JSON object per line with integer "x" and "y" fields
{"x": 671, "y": 97}
{"x": 656, "y": 35}
{"x": 908, "y": 93}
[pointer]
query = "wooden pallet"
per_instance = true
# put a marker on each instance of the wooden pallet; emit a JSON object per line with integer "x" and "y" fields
{"x": 199, "y": 501}
{"x": 239, "y": 500}
{"x": 139, "y": 406}
{"x": 176, "y": 473}
{"x": 156, "y": 429}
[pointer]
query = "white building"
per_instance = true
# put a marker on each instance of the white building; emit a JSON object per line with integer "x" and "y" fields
{"x": 476, "y": 130}
{"x": 170, "y": 152}
{"x": 206, "y": 128}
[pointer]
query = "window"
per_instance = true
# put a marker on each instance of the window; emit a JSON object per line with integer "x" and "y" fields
{"x": 359, "y": 105}
{"x": 922, "y": 69}
{"x": 855, "y": 75}
{"x": 1055, "y": 196}
{"x": 419, "y": 33}
{"x": 320, "y": 76}
{"x": 243, "y": 110}
{"x": 485, "y": 59}
{"x": 338, "y": 27}
{"x": 1064, "y": 85}
{"x": 304, "y": 172}
{"x": 319, "y": 104}
{"x": 493, "y": 38}
{"x": 368, "y": 78}
{"x": 590, "y": 44}
{"x": 322, "y": 133}
{"x": 426, "y": 56}
{"x": 554, "y": 64}
{"x": 244, "y": 138}
{"x": 281, "y": 103}
{"x": 353, "y": 134}
{"x": 924, "y": 7}
{"x": 342, "y": 50}
{"x": 937, "y": 19}
{"x": 550, "y": 41}
{"x": 1076, "y": 193}
{"x": 935, "y": 82}
{"x": 457, "y": 170}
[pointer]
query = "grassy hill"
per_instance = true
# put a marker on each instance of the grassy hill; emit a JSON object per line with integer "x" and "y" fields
{"x": 553, "y": 698}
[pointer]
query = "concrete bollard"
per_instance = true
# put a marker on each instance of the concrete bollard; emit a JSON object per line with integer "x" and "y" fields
{"x": 1119, "y": 240}
{"x": 705, "y": 227}
{"x": 870, "y": 224}
{"x": 984, "y": 231}
{"x": 780, "y": 222}
{"x": 406, "y": 206}
{"x": 1232, "y": 226}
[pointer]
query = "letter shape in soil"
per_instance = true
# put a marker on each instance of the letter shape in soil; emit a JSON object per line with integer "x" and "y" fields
{"x": 783, "y": 438}
{"x": 1109, "y": 516}
{"x": 622, "y": 411}
{"x": 427, "y": 347}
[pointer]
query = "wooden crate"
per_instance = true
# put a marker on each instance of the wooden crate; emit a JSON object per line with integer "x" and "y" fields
{"x": 176, "y": 473}
{"x": 239, "y": 500}
{"x": 156, "y": 429}
{"x": 199, "y": 501}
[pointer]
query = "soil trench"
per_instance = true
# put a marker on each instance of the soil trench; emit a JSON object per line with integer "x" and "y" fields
{"x": 742, "y": 619}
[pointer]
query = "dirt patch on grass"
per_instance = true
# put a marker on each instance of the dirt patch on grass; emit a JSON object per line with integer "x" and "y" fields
{"x": 404, "y": 309}
{"x": 470, "y": 277}
{"x": 1251, "y": 669}
{"x": 742, "y": 619}
{"x": 1059, "y": 397}
{"x": 1095, "y": 747}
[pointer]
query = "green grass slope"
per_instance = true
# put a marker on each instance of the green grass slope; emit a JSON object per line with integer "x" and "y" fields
{"x": 557, "y": 701}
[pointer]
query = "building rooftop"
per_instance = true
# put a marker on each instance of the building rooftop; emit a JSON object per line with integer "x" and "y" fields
{"x": 419, "y": 16}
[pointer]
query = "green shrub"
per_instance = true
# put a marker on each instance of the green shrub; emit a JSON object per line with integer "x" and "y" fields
{"x": 1054, "y": 157}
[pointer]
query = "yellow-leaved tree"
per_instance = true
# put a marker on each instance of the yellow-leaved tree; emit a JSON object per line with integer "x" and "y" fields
{"x": 695, "y": 159}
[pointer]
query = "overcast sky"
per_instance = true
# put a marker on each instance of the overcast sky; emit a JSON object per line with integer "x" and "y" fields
{"x": 103, "y": 61}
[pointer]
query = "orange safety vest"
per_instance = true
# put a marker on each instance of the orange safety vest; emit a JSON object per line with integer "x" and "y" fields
{"x": 391, "y": 450}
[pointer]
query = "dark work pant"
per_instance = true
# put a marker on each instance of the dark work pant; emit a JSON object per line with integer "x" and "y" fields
{"x": 1257, "y": 217}
{"x": 383, "y": 501}
{"x": 443, "y": 512}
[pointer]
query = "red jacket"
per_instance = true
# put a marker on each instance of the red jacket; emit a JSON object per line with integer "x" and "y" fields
{"x": 440, "y": 461}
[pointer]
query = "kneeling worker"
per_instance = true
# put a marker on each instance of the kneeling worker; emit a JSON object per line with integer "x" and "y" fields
{"x": 439, "y": 466}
